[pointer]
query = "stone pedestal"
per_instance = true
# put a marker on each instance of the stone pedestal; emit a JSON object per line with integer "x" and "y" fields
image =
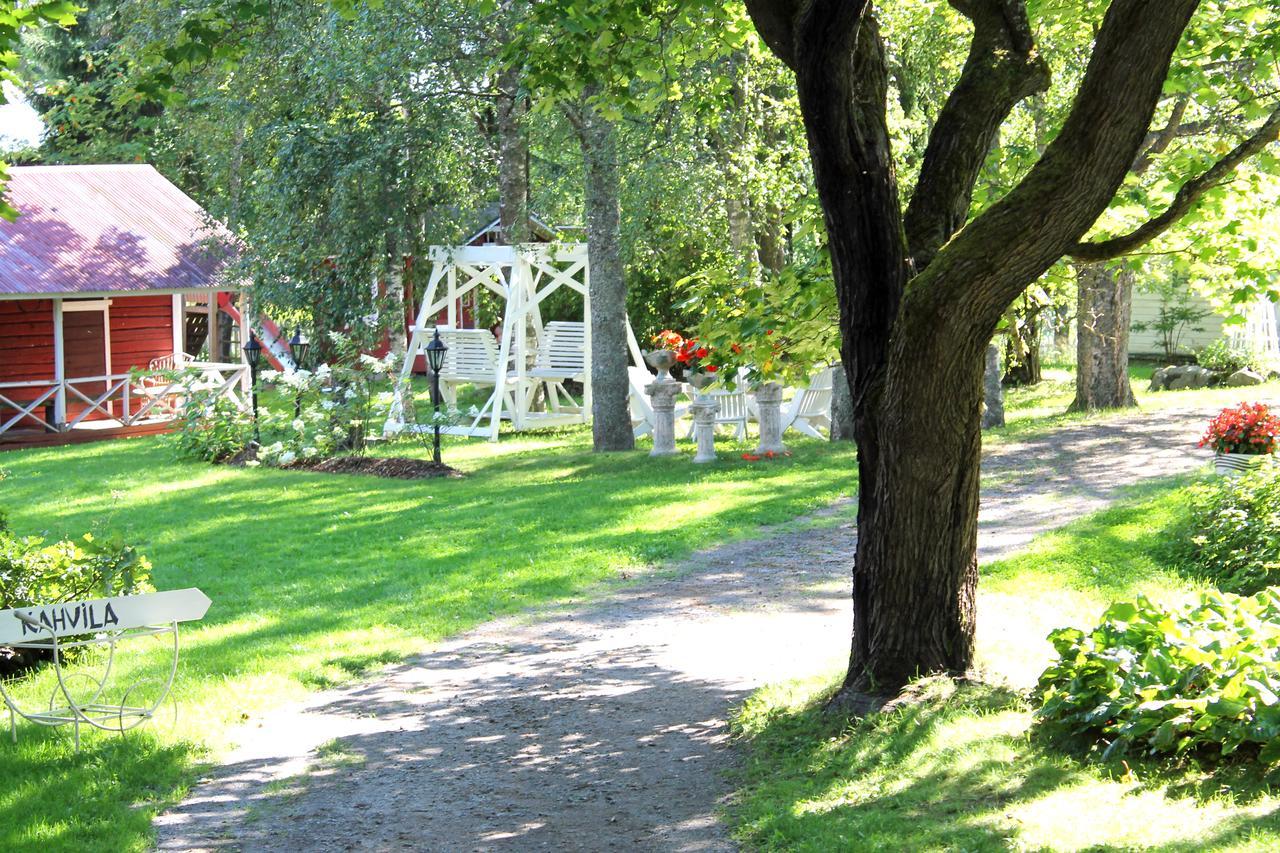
{"x": 662, "y": 396}
{"x": 704, "y": 427}
{"x": 769, "y": 408}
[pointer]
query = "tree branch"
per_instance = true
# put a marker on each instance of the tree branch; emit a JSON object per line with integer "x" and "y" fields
{"x": 1002, "y": 69}
{"x": 1187, "y": 196}
{"x": 1157, "y": 141}
{"x": 989, "y": 261}
{"x": 775, "y": 21}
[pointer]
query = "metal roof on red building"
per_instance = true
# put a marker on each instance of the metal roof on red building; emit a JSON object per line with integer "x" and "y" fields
{"x": 107, "y": 229}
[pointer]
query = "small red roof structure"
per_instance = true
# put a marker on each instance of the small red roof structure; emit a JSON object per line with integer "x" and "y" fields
{"x": 110, "y": 277}
{"x": 115, "y": 229}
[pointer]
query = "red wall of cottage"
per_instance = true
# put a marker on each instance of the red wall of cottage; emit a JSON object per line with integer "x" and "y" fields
{"x": 141, "y": 329}
{"x": 26, "y": 339}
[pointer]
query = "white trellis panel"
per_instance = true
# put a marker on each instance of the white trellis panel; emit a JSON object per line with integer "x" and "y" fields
{"x": 1259, "y": 331}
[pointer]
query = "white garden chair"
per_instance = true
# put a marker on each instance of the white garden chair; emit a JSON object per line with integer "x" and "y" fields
{"x": 472, "y": 358}
{"x": 562, "y": 352}
{"x": 641, "y": 407}
{"x": 733, "y": 410}
{"x": 810, "y": 408}
{"x": 561, "y": 356}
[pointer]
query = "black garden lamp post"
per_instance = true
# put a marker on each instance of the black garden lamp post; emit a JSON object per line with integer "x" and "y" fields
{"x": 299, "y": 346}
{"x": 253, "y": 354}
{"x": 435, "y": 360}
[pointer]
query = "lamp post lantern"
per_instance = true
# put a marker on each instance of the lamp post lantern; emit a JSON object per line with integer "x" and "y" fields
{"x": 253, "y": 354}
{"x": 435, "y": 360}
{"x": 299, "y": 346}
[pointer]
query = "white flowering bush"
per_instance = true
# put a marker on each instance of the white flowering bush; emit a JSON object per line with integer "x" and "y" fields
{"x": 331, "y": 409}
{"x": 333, "y": 406}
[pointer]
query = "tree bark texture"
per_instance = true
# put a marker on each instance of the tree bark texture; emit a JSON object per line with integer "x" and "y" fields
{"x": 841, "y": 406}
{"x": 920, "y": 296}
{"x": 1104, "y": 302}
{"x": 513, "y": 159}
{"x": 993, "y": 390}
{"x": 610, "y": 412}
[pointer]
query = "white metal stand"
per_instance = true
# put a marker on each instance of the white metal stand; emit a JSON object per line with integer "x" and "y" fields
{"x": 65, "y": 709}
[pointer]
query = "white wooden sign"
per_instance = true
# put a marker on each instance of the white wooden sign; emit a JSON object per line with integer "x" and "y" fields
{"x": 102, "y": 614}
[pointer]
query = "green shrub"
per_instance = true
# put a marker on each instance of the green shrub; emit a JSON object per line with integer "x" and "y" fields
{"x": 1199, "y": 678}
{"x": 1222, "y": 357}
{"x": 212, "y": 428}
{"x": 32, "y": 572}
{"x": 1233, "y": 534}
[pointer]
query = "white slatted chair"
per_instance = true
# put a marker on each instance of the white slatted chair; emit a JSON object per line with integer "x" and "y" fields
{"x": 177, "y": 361}
{"x": 562, "y": 352}
{"x": 733, "y": 411}
{"x": 641, "y": 407}
{"x": 810, "y": 408}
{"x": 472, "y": 356}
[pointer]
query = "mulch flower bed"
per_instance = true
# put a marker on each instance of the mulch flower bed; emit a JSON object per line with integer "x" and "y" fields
{"x": 395, "y": 468}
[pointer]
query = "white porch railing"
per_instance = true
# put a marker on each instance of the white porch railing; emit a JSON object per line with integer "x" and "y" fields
{"x": 125, "y": 398}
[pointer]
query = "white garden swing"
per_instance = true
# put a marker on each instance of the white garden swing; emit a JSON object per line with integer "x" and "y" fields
{"x": 527, "y": 354}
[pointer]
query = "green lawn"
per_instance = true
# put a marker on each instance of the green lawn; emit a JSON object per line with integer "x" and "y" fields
{"x": 959, "y": 769}
{"x": 317, "y": 579}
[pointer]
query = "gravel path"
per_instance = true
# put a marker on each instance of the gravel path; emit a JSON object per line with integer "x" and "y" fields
{"x": 602, "y": 727}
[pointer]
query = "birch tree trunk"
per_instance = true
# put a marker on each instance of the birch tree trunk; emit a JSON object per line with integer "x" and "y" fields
{"x": 610, "y": 411}
{"x": 1104, "y": 304}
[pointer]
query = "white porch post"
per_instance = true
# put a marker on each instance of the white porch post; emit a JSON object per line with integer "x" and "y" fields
{"x": 246, "y": 382}
{"x": 179, "y": 325}
{"x": 59, "y": 369}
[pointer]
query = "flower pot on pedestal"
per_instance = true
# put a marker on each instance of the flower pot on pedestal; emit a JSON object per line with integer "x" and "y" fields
{"x": 662, "y": 396}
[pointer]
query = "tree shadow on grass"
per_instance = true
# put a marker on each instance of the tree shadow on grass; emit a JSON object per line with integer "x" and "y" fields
{"x": 955, "y": 770}
{"x": 102, "y": 798}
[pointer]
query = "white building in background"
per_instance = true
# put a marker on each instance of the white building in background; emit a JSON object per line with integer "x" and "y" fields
{"x": 1259, "y": 329}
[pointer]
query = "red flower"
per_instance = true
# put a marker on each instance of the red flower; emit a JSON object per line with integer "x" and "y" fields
{"x": 1247, "y": 428}
{"x": 735, "y": 349}
{"x": 751, "y": 457}
{"x": 710, "y": 368}
{"x": 701, "y": 352}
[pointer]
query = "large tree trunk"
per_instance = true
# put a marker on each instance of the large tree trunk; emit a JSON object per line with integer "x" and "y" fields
{"x": 610, "y": 412}
{"x": 1104, "y": 303}
{"x": 915, "y": 571}
{"x": 914, "y": 354}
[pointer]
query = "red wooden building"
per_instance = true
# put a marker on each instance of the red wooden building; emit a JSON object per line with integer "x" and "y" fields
{"x": 109, "y": 270}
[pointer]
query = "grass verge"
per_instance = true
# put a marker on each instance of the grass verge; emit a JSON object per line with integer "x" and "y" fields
{"x": 319, "y": 579}
{"x": 960, "y": 769}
